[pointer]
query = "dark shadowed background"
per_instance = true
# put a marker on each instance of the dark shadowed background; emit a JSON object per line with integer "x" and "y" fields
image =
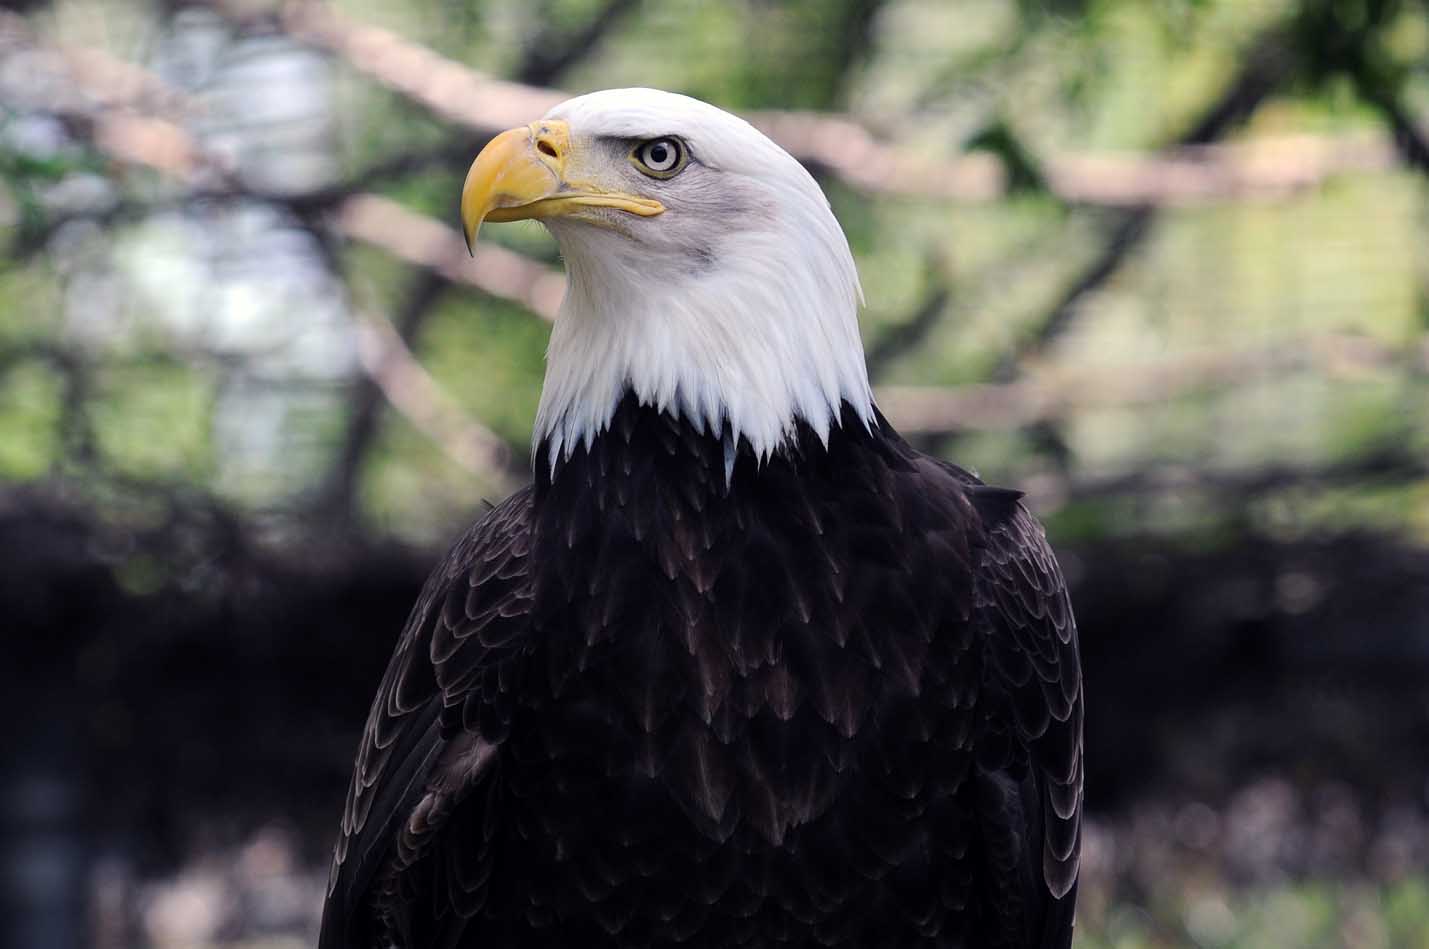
{"x": 1163, "y": 265}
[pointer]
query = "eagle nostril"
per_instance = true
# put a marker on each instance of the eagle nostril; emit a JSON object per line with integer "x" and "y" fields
{"x": 546, "y": 148}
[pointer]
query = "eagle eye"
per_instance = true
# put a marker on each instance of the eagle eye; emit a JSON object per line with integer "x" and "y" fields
{"x": 660, "y": 157}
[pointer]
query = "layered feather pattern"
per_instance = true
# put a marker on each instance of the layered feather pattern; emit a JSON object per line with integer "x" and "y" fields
{"x": 828, "y": 698}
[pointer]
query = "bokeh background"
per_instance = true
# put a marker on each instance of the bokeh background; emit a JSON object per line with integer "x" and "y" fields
{"x": 1164, "y": 264}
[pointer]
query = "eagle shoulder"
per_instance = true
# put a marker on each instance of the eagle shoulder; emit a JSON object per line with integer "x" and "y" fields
{"x": 1032, "y": 686}
{"x": 433, "y": 726}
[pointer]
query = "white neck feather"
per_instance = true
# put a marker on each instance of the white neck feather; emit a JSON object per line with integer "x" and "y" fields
{"x": 757, "y": 332}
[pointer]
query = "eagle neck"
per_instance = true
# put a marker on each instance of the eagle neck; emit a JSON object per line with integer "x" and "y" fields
{"x": 645, "y": 447}
{"x": 752, "y": 337}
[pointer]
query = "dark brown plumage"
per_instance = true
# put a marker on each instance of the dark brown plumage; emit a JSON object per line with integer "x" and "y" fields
{"x": 835, "y": 701}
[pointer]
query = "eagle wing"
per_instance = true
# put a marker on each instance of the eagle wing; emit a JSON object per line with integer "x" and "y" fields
{"x": 1034, "y": 679}
{"x": 429, "y": 743}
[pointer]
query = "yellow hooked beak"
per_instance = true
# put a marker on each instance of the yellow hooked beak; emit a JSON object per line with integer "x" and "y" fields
{"x": 521, "y": 174}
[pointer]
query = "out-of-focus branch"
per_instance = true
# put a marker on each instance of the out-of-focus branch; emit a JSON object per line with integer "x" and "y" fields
{"x": 73, "y": 427}
{"x": 1126, "y": 234}
{"x": 443, "y": 86}
{"x": 161, "y": 143}
{"x": 424, "y": 241}
{"x": 1409, "y": 137}
{"x": 549, "y": 54}
{"x": 1392, "y": 466}
{"x": 1265, "y": 68}
{"x": 464, "y": 96}
{"x": 135, "y": 113}
{"x": 91, "y": 87}
{"x": 1185, "y": 174}
{"x": 1054, "y": 395}
{"x": 909, "y": 333}
{"x": 1382, "y": 90}
{"x": 387, "y": 350}
{"x": 164, "y": 145}
{"x": 337, "y": 498}
{"x": 916, "y": 410}
{"x": 1264, "y": 169}
{"x": 842, "y": 147}
{"x": 441, "y": 258}
{"x": 414, "y": 393}
{"x": 130, "y": 115}
{"x": 80, "y": 78}
{"x": 168, "y": 148}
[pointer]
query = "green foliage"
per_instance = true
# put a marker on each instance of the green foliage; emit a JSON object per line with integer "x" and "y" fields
{"x": 24, "y": 174}
{"x": 30, "y": 404}
{"x": 1291, "y": 916}
{"x": 1025, "y": 82}
{"x": 151, "y": 421}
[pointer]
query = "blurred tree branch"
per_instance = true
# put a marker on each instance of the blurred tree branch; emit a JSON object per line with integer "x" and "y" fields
{"x": 73, "y": 427}
{"x": 839, "y": 145}
{"x": 440, "y": 257}
{"x": 86, "y": 79}
{"x": 146, "y": 131}
{"x": 550, "y": 53}
{"x": 907, "y": 334}
{"x": 1389, "y": 466}
{"x": 446, "y": 88}
{"x": 833, "y": 144}
{"x": 441, "y": 254}
{"x": 1266, "y": 66}
{"x": 1409, "y": 137}
{"x": 131, "y": 117}
{"x": 392, "y": 370}
{"x": 408, "y": 387}
{"x": 425, "y": 242}
{"x": 1051, "y": 396}
{"x": 1352, "y": 43}
{"x": 337, "y": 497}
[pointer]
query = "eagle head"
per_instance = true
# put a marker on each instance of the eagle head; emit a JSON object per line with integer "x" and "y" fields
{"x": 707, "y": 272}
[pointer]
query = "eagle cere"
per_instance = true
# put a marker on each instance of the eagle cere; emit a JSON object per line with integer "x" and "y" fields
{"x": 740, "y": 667}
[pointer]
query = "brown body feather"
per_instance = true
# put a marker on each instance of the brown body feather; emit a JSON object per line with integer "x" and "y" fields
{"x": 833, "y": 700}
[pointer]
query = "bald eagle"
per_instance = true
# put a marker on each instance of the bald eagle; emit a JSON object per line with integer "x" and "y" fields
{"x": 740, "y": 667}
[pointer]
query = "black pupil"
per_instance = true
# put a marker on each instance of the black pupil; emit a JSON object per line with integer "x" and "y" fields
{"x": 659, "y": 152}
